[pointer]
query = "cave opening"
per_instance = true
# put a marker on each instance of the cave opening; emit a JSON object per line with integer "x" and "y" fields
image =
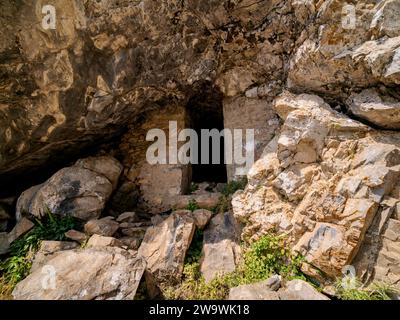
{"x": 205, "y": 111}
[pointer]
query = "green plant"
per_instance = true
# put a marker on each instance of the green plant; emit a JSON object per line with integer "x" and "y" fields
{"x": 353, "y": 289}
{"x": 263, "y": 258}
{"x": 193, "y": 205}
{"x": 17, "y": 266}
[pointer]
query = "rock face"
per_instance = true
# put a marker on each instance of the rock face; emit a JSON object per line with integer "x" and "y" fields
{"x": 100, "y": 273}
{"x": 317, "y": 80}
{"x": 104, "y": 227}
{"x": 165, "y": 245}
{"x": 6, "y": 239}
{"x": 322, "y": 181}
{"x": 221, "y": 250}
{"x": 382, "y": 112}
{"x": 81, "y": 190}
{"x": 292, "y": 290}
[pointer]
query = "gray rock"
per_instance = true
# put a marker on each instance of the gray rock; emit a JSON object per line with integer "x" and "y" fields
{"x": 101, "y": 273}
{"x": 104, "y": 227}
{"x": 80, "y": 190}
{"x": 383, "y": 111}
{"x": 101, "y": 241}
{"x": 6, "y": 239}
{"x": 201, "y": 217}
{"x": 264, "y": 290}
{"x": 128, "y": 217}
{"x": 76, "y": 236}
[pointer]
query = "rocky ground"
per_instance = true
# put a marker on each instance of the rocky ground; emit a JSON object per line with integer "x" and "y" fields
{"x": 83, "y": 216}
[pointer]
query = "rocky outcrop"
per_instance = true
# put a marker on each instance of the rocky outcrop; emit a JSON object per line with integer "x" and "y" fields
{"x": 104, "y": 227}
{"x": 221, "y": 249}
{"x": 80, "y": 191}
{"x": 321, "y": 181}
{"x": 165, "y": 245}
{"x": 100, "y": 273}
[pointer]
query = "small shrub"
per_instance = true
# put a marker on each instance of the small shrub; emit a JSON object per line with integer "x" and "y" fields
{"x": 345, "y": 290}
{"x": 193, "y": 205}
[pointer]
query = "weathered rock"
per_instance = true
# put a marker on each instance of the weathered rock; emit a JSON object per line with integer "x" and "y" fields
{"x": 128, "y": 217}
{"x": 165, "y": 245}
{"x": 384, "y": 112}
{"x": 4, "y": 218}
{"x": 6, "y": 239}
{"x": 101, "y": 273}
{"x": 205, "y": 201}
{"x": 104, "y": 227}
{"x": 256, "y": 291}
{"x": 3, "y": 213}
{"x": 264, "y": 290}
{"x": 49, "y": 250}
{"x": 79, "y": 190}
{"x": 100, "y": 241}
{"x": 300, "y": 290}
{"x": 221, "y": 249}
{"x": 293, "y": 290}
{"x": 322, "y": 181}
{"x": 201, "y": 217}
{"x": 76, "y": 236}
{"x": 132, "y": 243}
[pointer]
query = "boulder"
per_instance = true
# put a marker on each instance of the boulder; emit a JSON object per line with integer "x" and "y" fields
{"x": 80, "y": 190}
{"x": 264, "y": 290}
{"x": 101, "y": 241}
{"x": 128, "y": 217}
{"x": 221, "y": 249}
{"x": 205, "y": 201}
{"x": 104, "y": 227}
{"x": 321, "y": 181}
{"x": 165, "y": 245}
{"x": 100, "y": 273}
{"x": 201, "y": 217}
{"x": 382, "y": 111}
{"x": 300, "y": 290}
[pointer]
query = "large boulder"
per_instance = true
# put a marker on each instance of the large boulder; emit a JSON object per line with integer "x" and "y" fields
{"x": 165, "y": 245}
{"x": 81, "y": 190}
{"x": 100, "y": 273}
{"x": 221, "y": 249}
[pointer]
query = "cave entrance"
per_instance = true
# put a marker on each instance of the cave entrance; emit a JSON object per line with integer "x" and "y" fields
{"x": 205, "y": 111}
